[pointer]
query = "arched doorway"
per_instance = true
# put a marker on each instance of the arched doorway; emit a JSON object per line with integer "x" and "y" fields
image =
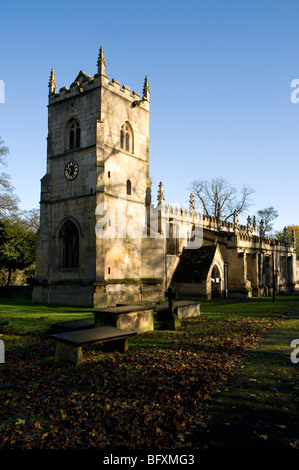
{"x": 216, "y": 282}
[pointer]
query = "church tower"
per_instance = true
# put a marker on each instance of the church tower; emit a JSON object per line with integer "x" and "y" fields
{"x": 94, "y": 192}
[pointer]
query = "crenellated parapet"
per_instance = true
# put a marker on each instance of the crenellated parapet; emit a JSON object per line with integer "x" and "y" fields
{"x": 85, "y": 83}
{"x": 251, "y": 232}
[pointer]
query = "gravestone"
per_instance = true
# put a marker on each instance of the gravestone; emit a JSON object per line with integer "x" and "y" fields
{"x": 166, "y": 316}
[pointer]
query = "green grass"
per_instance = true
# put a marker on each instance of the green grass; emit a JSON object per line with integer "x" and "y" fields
{"x": 227, "y": 372}
{"x": 33, "y": 318}
{"x": 255, "y": 307}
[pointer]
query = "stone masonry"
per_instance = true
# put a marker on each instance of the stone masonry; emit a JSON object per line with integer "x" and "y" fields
{"x": 102, "y": 242}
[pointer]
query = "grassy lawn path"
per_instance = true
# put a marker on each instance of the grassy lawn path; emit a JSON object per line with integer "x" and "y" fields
{"x": 258, "y": 407}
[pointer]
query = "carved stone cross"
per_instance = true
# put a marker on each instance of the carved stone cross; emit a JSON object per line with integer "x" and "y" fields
{"x": 171, "y": 295}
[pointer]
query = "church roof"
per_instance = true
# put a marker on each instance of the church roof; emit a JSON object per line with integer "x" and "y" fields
{"x": 194, "y": 264}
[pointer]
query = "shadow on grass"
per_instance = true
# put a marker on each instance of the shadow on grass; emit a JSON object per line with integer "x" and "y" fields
{"x": 258, "y": 407}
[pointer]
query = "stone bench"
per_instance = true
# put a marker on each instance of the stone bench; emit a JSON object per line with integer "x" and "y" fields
{"x": 181, "y": 310}
{"x": 69, "y": 344}
{"x": 72, "y": 325}
{"x": 185, "y": 309}
{"x": 139, "y": 318}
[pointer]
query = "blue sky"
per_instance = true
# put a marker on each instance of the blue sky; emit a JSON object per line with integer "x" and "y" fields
{"x": 219, "y": 73}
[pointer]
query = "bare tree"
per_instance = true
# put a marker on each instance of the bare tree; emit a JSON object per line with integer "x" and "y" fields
{"x": 267, "y": 215}
{"x": 30, "y": 219}
{"x": 9, "y": 202}
{"x": 218, "y": 195}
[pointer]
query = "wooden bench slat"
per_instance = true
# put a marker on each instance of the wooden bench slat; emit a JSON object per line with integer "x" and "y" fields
{"x": 93, "y": 335}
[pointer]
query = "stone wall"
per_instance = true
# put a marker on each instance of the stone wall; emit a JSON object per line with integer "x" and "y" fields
{"x": 15, "y": 291}
{"x": 67, "y": 294}
{"x": 191, "y": 290}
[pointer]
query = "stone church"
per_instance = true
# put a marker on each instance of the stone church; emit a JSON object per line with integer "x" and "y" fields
{"x": 102, "y": 242}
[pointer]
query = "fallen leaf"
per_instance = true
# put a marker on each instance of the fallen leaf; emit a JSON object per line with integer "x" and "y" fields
{"x": 263, "y": 436}
{"x": 20, "y": 421}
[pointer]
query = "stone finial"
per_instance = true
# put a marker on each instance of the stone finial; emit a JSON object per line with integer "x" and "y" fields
{"x": 285, "y": 235}
{"x": 262, "y": 228}
{"x": 192, "y": 204}
{"x": 146, "y": 90}
{"x": 249, "y": 226}
{"x": 161, "y": 197}
{"x": 236, "y": 219}
{"x": 52, "y": 82}
{"x": 101, "y": 61}
{"x": 293, "y": 239}
{"x": 254, "y": 224}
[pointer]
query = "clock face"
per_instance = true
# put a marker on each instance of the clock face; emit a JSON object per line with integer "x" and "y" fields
{"x": 71, "y": 170}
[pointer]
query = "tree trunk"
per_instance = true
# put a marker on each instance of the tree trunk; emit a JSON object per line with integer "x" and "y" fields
{"x": 9, "y": 277}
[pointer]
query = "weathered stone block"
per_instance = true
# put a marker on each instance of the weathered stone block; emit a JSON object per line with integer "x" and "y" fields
{"x": 187, "y": 309}
{"x": 116, "y": 346}
{"x": 68, "y": 354}
{"x": 126, "y": 318}
{"x": 167, "y": 320}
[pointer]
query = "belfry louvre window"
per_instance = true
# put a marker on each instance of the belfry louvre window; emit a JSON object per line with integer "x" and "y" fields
{"x": 69, "y": 237}
{"x": 74, "y": 134}
{"x": 126, "y": 138}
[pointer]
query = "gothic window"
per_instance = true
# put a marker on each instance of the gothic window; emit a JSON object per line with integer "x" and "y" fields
{"x": 126, "y": 138}
{"x": 69, "y": 236}
{"x": 129, "y": 188}
{"x": 74, "y": 134}
{"x": 78, "y": 137}
{"x": 122, "y": 138}
{"x": 216, "y": 274}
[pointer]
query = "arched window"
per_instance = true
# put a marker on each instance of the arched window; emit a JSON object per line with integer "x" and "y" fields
{"x": 69, "y": 236}
{"x": 126, "y": 138}
{"x": 74, "y": 134}
{"x": 122, "y": 138}
{"x": 216, "y": 273}
{"x": 129, "y": 188}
